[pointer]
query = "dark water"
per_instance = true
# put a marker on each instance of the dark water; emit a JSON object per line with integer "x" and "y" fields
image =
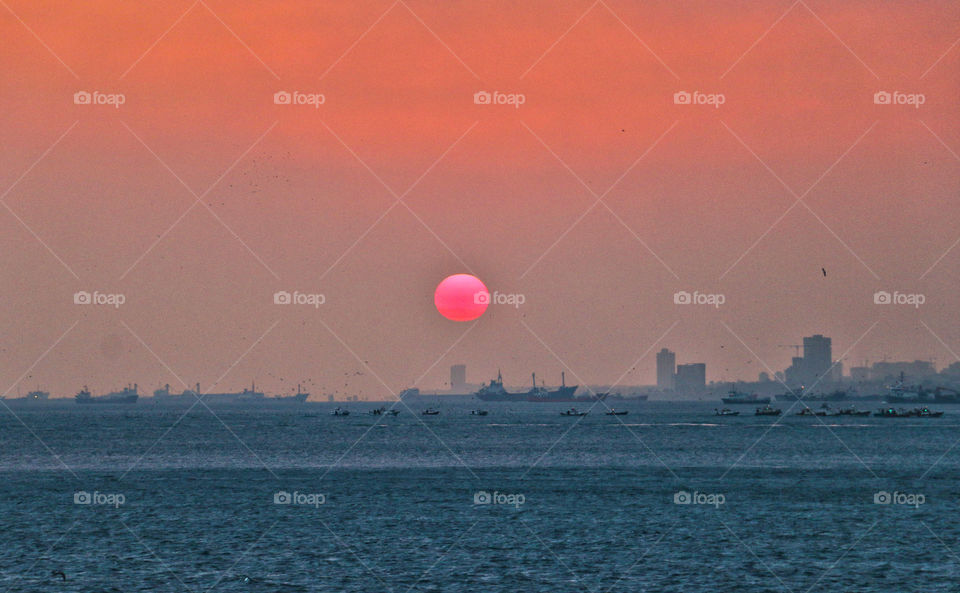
{"x": 586, "y": 506}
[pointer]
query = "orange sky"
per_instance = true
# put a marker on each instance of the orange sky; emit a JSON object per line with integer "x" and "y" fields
{"x": 493, "y": 189}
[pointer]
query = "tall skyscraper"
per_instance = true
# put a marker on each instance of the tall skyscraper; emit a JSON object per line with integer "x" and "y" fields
{"x": 458, "y": 377}
{"x": 666, "y": 367}
{"x": 691, "y": 378}
{"x": 817, "y": 358}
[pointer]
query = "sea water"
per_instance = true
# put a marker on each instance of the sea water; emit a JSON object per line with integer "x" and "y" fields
{"x": 667, "y": 498}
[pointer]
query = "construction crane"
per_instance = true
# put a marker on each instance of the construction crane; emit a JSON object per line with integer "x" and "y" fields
{"x": 796, "y": 347}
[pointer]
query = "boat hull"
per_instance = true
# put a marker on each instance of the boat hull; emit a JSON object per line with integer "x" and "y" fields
{"x": 563, "y": 394}
{"x": 127, "y": 399}
{"x": 742, "y": 400}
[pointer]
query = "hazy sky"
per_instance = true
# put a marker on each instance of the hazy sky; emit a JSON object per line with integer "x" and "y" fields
{"x": 303, "y": 198}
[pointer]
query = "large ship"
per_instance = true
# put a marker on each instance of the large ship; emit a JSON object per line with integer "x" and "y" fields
{"x": 739, "y": 397}
{"x": 127, "y": 395}
{"x": 901, "y": 393}
{"x": 36, "y": 396}
{"x": 946, "y": 395}
{"x": 247, "y": 396}
{"x": 496, "y": 392}
{"x": 798, "y": 394}
{"x": 297, "y": 398}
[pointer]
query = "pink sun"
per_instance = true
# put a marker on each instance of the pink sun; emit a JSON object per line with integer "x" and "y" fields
{"x": 461, "y": 297}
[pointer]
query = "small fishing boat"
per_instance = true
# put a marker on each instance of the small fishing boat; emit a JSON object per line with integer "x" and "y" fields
{"x": 725, "y": 412}
{"x": 892, "y": 413}
{"x": 573, "y": 412}
{"x": 340, "y": 412}
{"x": 768, "y": 410}
{"x": 478, "y": 412}
{"x": 430, "y": 412}
{"x": 901, "y": 413}
{"x": 851, "y": 411}
{"x": 615, "y": 412}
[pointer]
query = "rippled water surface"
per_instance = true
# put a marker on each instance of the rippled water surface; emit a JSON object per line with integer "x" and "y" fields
{"x": 186, "y": 502}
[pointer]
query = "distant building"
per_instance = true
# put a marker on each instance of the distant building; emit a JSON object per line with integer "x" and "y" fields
{"x": 817, "y": 357}
{"x": 796, "y": 374}
{"x": 816, "y": 364}
{"x": 458, "y": 378}
{"x": 888, "y": 371}
{"x": 953, "y": 370}
{"x": 860, "y": 374}
{"x": 666, "y": 368}
{"x": 763, "y": 377}
{"x": 691, "y": 378}
{"x": 836, "y": 371}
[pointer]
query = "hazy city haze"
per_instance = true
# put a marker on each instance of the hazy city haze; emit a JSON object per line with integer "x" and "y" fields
{"x": 200, "y": 196}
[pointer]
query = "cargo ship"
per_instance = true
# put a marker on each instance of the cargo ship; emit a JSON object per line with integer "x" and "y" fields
{"x": 36, "y": 396}
{"x": 247, "y": 396}
{"x": 127, "y": 395}
{"x": 901, "y": 393}
{"x": 798, "y": 394}
{"x": 739, "y": 397}
{"x": 496, "y": 392}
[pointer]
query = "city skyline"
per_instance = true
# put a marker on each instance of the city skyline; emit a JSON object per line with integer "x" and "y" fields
{"x": 353, "y": 172}
{"x": 685, "y": 379}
